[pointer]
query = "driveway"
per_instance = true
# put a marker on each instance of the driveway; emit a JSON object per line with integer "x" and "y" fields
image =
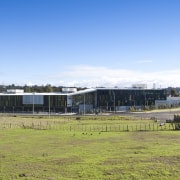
{"x": 159, "y": 115}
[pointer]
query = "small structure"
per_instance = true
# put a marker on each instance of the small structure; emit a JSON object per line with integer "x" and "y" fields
{"x": 139, "y": 86}
{"x": 177, "y": 121}
{"x": 177, "y": 118}
{"x": 14, "y": 91}
{"x": 69, "y": 90}
{"x": 170, "y": 101}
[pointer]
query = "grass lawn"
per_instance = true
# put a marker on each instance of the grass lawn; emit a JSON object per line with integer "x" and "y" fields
{"x": 60, "y": 154}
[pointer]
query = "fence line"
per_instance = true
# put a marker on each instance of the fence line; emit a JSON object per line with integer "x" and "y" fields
{"x": 94, "y": 128}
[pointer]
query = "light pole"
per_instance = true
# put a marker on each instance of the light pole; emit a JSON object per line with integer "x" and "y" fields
{"x": 84, "y": 104}
{"x": 33, "y": 103}
{"x": 114, "y": 101}
{"x": 145, "y": 100}
{"x": 49, "y": 105}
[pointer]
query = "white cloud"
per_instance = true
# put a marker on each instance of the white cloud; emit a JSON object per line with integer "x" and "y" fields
{"x": 91, "y": 76}
{"x": 89, "y": 72}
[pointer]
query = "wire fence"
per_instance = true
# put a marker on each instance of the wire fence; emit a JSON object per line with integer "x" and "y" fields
{"x": 93, "y": 128}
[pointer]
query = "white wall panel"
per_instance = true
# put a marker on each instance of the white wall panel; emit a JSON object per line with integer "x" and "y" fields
{"x": 33, "y": 99}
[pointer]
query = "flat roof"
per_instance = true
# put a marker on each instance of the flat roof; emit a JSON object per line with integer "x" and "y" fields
{"x": 83, "y": 91}
{"x": 34, "y": 93}
{"x": 70, "y": 94}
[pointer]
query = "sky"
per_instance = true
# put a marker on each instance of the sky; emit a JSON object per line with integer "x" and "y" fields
{"x": 90, "y": 43}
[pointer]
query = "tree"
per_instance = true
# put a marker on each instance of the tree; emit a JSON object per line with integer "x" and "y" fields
{"x": 173, "y": 92}
{"x": 27, "y": 88}
{"x": 48, "y": 88}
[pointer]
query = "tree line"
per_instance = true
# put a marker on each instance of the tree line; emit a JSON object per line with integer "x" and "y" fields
{"x": 174, "y": 92}
{"x": 35, "y": 88}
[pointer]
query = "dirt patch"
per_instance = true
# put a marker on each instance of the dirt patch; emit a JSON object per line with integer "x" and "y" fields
{"x": 66, "y": 160}
{"x": 152, "y": 136}
{"x": 170, "y": 160}
{"x": 112, "y": 162}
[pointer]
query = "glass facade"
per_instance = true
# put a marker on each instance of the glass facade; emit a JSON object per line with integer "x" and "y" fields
{"x": 32, "y": 103}
{"x": 10, "y": 103}
{"x": 112, "y": 98}
{"x": 97, "y": 100}
{"x": 82, "y": 102}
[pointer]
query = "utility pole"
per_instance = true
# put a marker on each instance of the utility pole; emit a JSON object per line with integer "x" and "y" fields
{"x": 49, "y": 105}
{"x": 84, "y": 104}
{"x": 114, "y": 100}
{"x": 33, "y": 103}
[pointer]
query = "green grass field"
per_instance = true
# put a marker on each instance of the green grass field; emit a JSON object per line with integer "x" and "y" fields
{"x": 63, "y": 153}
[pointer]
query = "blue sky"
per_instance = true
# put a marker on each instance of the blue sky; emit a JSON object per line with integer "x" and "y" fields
{"x": 90, "y": 43}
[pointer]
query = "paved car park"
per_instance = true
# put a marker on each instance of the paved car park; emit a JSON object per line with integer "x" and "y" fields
{"x": 154, "y": 115}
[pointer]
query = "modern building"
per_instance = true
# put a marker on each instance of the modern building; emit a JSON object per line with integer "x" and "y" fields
{"x": 169, "y": 102}
{"x": 32, "y": 102}
{"x": 84, "y": 101}
{"x": 114, "y": 99}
